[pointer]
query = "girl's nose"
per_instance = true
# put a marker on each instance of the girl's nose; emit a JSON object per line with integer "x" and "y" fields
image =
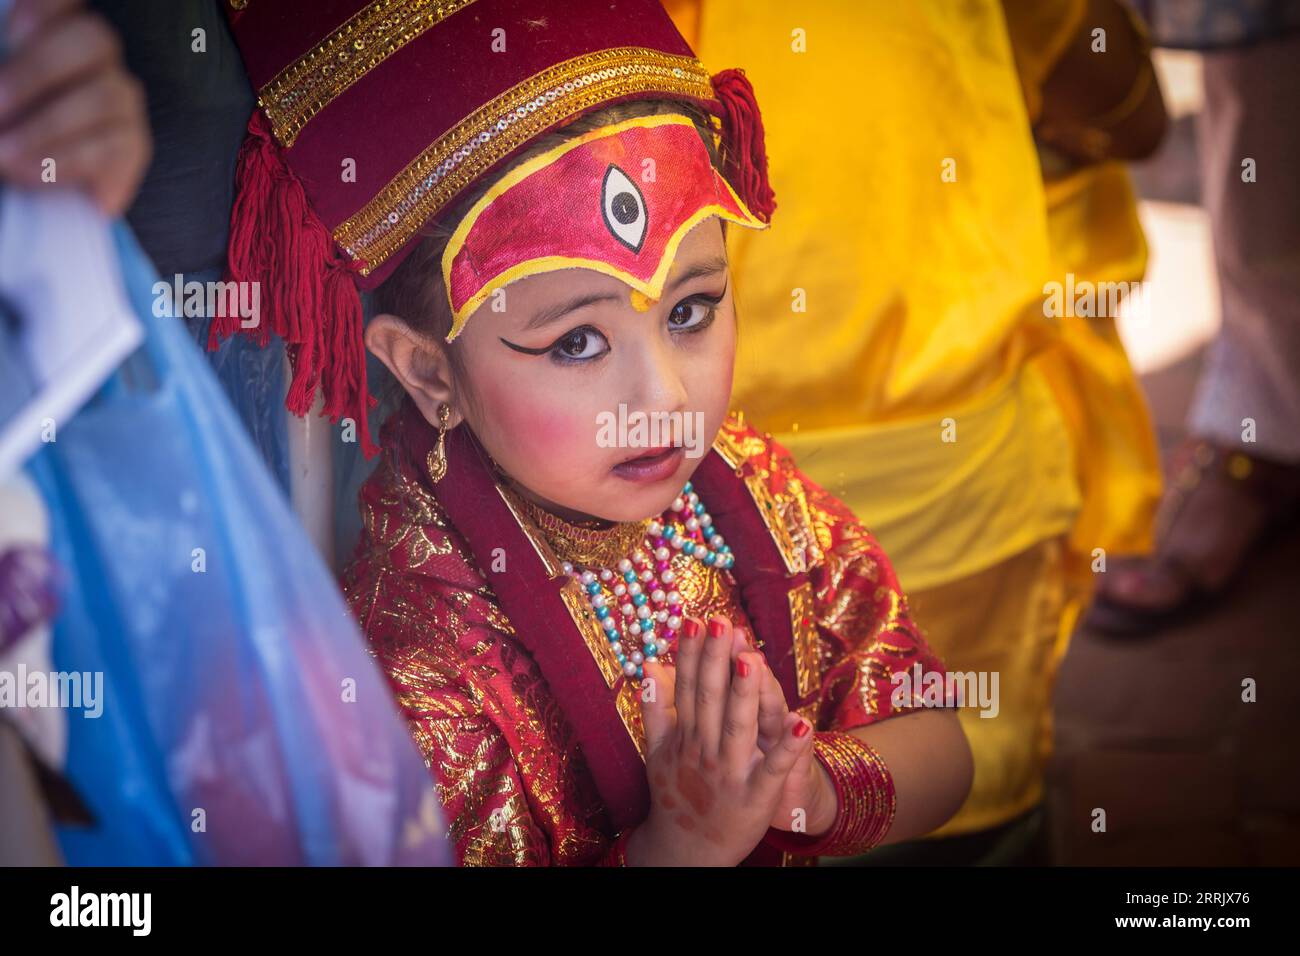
{"x": 658, "y": 386}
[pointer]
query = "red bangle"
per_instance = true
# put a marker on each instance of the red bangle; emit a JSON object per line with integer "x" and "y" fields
{"x": 616, "y": 855}
{"x": 864, "y": 796}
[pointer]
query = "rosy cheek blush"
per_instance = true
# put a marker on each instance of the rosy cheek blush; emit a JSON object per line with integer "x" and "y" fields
{"x": 552, "y": 430}
{"x": 536, "y": 429}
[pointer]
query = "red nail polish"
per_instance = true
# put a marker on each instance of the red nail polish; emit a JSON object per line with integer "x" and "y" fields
{"x": 690, "y": 628}
{"x": 715, "y": 627}
{"x": 801, "y": 729}
{"x": 742, "y": 668}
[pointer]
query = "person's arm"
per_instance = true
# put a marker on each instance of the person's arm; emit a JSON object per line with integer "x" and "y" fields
{"x": 931, "y": 765}
{"x": 449, "y": 698}
{"x": 1103, "y": 105}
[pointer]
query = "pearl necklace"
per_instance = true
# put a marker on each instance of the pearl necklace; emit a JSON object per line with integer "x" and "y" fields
{"x": 644, "y": 594}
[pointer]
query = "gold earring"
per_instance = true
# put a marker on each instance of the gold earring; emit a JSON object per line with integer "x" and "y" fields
{"x": 436, "y": 460}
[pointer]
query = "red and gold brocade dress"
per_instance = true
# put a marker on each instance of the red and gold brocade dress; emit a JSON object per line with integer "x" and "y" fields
{"x": 532, "y": 734}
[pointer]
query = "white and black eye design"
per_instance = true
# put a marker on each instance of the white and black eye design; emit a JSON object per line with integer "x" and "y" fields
{"x": 624, "y": 208}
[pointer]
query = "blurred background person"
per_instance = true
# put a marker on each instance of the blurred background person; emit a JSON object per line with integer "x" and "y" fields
{"x": 1236, "y": 476}
{"x": 65, "y": 94}
{"x": 1175, "y": 710}
{"x": 991, "y": 447}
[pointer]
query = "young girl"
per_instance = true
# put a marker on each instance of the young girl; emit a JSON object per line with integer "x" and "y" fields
{"x": 629, "y": 651}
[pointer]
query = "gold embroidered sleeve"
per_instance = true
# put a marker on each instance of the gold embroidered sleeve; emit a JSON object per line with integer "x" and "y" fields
{"x": 476, "y": 777}
{"x": 415, "y": 630}
{"x": 867, "y": 640}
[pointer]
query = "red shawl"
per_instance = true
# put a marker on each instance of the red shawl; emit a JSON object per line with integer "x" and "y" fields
{"x": 533, "y": 740}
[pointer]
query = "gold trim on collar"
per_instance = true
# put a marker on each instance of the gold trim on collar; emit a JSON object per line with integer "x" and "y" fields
{"x": 549, "y": 561}
{"x": 322, "y": 74}
{"x": 775, "y": 513}
{"x": 628, "y": 704}
{"x": 626, "y": 697}
{"x": 737, "y": 448}
{"x": 785, "y": 514}
{"x": 593, "y": 635}
{"x": 587, "y": 547}
{"x": 806, "y": 645}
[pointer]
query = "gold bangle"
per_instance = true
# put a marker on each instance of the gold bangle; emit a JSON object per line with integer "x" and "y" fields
{"x": 865, "y": 789}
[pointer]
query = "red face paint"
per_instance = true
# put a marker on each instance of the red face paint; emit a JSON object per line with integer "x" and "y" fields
{"x": 617, "y": 220}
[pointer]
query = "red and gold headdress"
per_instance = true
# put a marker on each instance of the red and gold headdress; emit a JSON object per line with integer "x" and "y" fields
{"x": 374, "y": 117}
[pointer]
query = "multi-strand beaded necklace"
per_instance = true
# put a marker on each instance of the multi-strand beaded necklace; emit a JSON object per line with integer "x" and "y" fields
{"x": 626, "y": 573}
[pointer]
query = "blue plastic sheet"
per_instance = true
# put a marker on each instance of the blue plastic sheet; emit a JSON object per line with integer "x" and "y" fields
{"x": 243, "y": 721}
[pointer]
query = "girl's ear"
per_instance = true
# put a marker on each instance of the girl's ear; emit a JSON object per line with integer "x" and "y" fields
{"x": 416, "y": 360}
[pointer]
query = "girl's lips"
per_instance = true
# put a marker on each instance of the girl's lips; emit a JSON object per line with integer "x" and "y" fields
{"x": 650, "y": 468}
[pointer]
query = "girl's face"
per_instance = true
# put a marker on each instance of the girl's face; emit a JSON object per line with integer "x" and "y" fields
{"x": 551, "y": 369}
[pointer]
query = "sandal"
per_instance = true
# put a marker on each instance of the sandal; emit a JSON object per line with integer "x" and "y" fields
{"x": 1221, "y": 505}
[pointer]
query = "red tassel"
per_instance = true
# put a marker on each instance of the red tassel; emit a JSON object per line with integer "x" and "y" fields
{"x": 744, "y": 150}
{"x": 308, "y": 293}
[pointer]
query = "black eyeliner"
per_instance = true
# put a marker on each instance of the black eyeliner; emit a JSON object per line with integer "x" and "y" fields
{"x": 554, "y": 346}
{"x": 527, "y": 351}
{"x": 711, "y": 300}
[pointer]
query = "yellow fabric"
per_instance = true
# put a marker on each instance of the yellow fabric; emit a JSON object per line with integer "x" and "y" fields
{"x": 924, "y": 302}
{"x": 923, "y": 296}
{"x": 1005, "y": 620}
{"x": 1094, "y": 233}
{"x": 915, "y": 485}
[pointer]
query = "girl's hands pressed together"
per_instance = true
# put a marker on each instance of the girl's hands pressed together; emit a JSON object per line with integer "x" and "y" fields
{"x": 808, "y": 797}
{"x": 714, "y": 790}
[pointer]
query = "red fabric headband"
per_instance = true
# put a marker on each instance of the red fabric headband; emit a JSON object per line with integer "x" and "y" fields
{"x": 618, "y": 200}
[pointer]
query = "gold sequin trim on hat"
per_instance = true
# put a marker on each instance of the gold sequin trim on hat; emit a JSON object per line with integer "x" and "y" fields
{"x": 457, "y": 158}
{"x": 367, "y": 39}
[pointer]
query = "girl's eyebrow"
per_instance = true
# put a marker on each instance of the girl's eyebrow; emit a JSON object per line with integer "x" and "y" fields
{"x": 547, "y": 316}
{"x": 706, "y": 267}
